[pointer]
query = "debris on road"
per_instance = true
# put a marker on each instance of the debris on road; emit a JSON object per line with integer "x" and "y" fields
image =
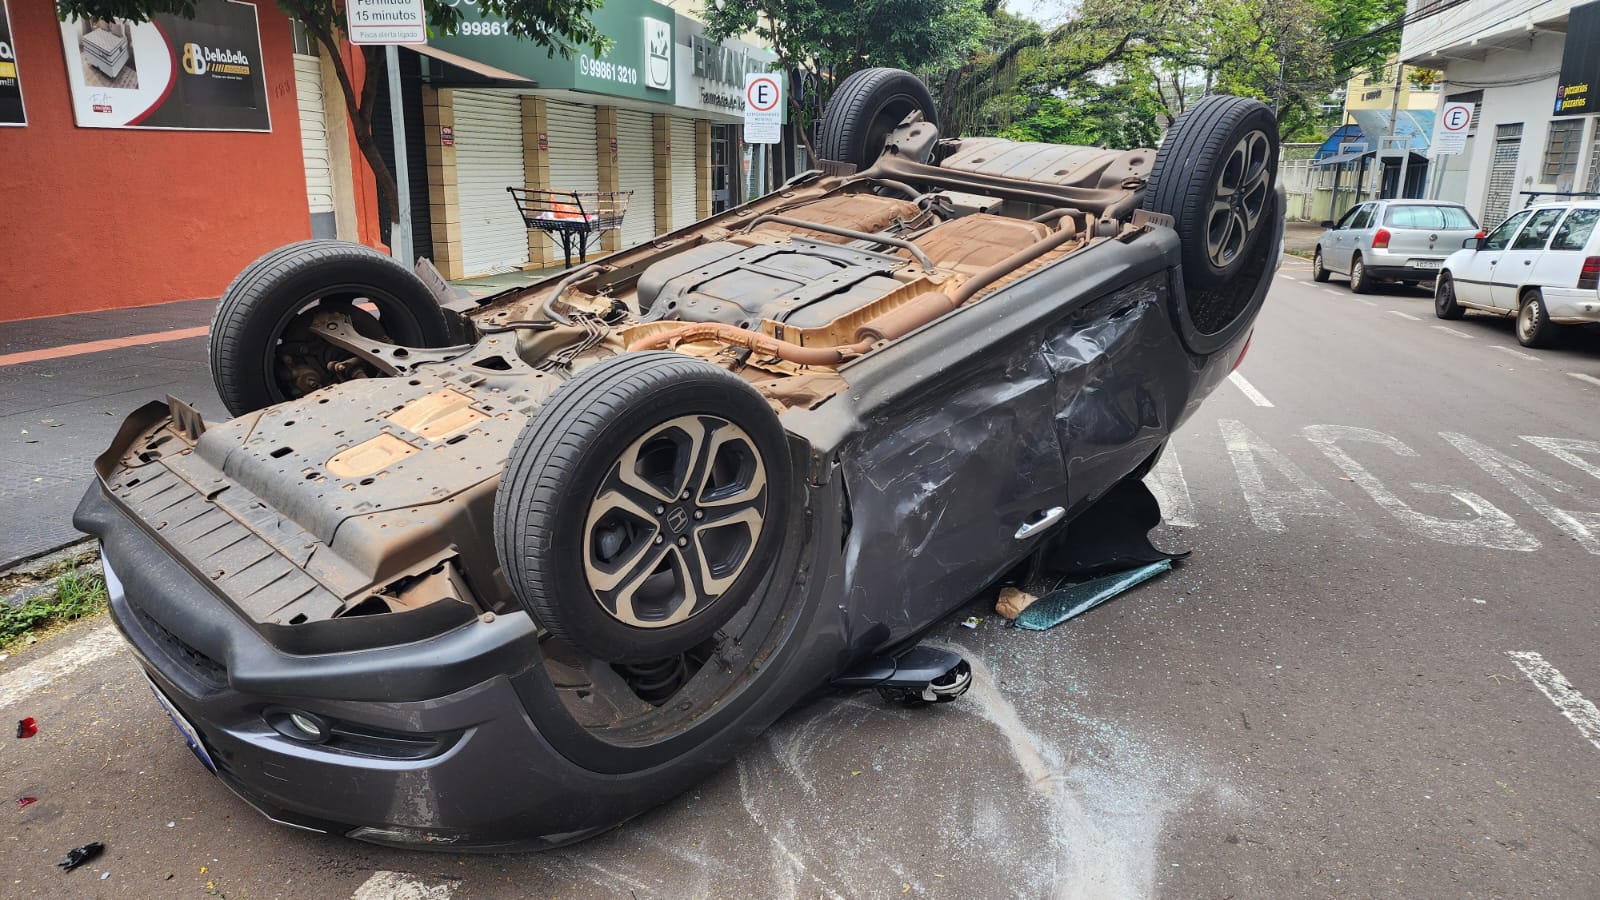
{"x": 25, "y": 802}
{"x": 1013, "y": 601}
{"x": 1064, "y": 603}
{"x": 77, "y": 856}
{"x": 972, "y": 622}
{"x": 27, "y": 728}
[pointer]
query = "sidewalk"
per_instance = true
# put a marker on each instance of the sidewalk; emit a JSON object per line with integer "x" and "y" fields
{"x": 66, "y": 384}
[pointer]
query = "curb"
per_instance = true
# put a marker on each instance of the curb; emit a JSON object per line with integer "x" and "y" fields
{"x": 30, "y": 580}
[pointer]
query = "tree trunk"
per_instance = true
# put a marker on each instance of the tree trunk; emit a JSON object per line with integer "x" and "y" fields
{"x": 360, "y": 111}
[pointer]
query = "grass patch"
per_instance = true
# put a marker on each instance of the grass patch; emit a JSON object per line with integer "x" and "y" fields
{"x": 76, "y": 595}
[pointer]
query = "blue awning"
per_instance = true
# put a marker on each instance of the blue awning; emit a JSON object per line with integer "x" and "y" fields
{"x": 1415, "y": 125}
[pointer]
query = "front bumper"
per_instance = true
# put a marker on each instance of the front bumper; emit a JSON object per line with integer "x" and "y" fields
{"x": 457, "y": 763}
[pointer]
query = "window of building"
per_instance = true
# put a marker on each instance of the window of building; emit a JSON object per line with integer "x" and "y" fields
{"x": 1593, "y": 186}
{"x": 304, "y": 43}
{"x": 1561, "y": 151}
{"x": 1372, "y": 95}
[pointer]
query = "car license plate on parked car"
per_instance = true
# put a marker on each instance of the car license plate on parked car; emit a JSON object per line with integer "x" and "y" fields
{"x": 1427, "y": 263}
{"x": 190, "y": 735}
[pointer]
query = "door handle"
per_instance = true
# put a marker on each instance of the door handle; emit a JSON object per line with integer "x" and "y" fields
{"x": 1527, "y": 262}
{"x": 1042, "y": 520}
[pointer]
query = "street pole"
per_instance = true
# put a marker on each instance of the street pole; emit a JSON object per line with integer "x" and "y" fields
{"x": 1394, "y": 127}
{"x": 400, "y": 230}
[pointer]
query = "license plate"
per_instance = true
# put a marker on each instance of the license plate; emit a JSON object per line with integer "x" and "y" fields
{"x": 1427, "y": 263}
{"x": 181, "y": 722}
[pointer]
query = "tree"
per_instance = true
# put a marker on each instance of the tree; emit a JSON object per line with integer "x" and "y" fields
{"x": 558, "y": 26}
{"x": 830, "y": 39}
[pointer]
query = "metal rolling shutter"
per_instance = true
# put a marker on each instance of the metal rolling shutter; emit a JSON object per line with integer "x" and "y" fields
{"x": 488, "y": 134}
{"x": 636, "y": 172}
{"x": 1502, "y": 174}
{"x": 314, "y": 139}
{"x": 683, "y": 173}
{"x": 573, "y": 163}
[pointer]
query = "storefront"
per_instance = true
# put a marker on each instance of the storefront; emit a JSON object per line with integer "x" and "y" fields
{"x": 638, "y": 119}
{"x": 150, "y": 162}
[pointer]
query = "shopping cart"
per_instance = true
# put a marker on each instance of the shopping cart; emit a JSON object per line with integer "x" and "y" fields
{"x": 572, "y": 215}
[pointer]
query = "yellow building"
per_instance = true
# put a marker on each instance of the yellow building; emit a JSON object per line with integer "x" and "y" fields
{"x": 1373, "y": 88}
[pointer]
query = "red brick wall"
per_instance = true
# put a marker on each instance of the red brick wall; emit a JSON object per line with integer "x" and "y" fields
{"x": 97, "y": 218}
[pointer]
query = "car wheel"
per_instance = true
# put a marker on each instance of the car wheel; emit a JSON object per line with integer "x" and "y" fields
{"x": 1533, "y": 322}
{"x": 262, "y": 351}
{"x": 1444, "y": 299}
{"x": 1319, "y": 272}
{"x": 643, "y": 504}
{"x": 1360, "y": 281}
{"x": 866, "y": 107}
{"x": 1214, "y": 175}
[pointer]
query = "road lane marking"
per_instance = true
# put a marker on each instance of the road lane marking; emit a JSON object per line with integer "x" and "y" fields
{"x": 1367, "y": 302}
{"x": 1582, "y": 377}
{"x": 1248, "y": 389}
{"x": 1333, "y": 292}
{"x": 1396, "y": 312}
{"x": 1447, "y": 329}
{"x": 1517, "y": 353}
{"x": 1166, "y": 482}
{"x": 1487, "y": 526}
{"x": 20, "y": 683}
{"x": 138, "y": 340}
{"x": 1550, "y": 682}
{"x": 400, "y": 886}
{"x": 1583, "y": 526}
{"x": 1268, "y": 506}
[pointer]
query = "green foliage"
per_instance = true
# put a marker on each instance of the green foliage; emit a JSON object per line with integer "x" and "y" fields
{"x": 76, "y": 595}
{"x": 833, "y": 38}
{"x": 1120, "y": 113}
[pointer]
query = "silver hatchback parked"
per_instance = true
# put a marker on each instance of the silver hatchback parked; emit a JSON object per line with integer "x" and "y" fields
{"x": 1392, "y": 240}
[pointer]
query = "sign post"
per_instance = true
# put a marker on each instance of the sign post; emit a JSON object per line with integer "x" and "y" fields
{"x": 763, "y": 108}
{"x": 1450, "y": 130}
{"x": 392, "y": 22}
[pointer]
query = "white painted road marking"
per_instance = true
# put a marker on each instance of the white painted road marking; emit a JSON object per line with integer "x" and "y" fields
{"x": 1447, "y": 329}
{"x": 1589, "y": 378}
{"x": 1267, "y": 505}
{"x": 1582, "y": 526}
{"x": 1396, "y": 312}
{"x": 1172, "y": 491}
{"x": 1578, "y": 710}
{"x": 1517, "y": 353}
{"x": 1248, "y": 389}
{"x": 400, "y": 886}
{"x": 20, "y": 683}
{"x": 1333, "y": 292}
{"x": 1367, "y": 302}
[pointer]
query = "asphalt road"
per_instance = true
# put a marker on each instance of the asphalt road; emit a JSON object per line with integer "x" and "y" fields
{"x": 1369, "y": 681}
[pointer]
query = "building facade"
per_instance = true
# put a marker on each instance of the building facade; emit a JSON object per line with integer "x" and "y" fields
{"x": 1528, "y": 67}
{"x": 655, "y": 117}
{"x": 144, "y": 163}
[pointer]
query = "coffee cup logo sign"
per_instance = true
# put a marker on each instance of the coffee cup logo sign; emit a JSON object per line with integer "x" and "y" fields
{"x": 658, "y": 54}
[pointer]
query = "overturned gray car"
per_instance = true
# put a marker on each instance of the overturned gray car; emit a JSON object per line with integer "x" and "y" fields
{"x": 504, "y": 573}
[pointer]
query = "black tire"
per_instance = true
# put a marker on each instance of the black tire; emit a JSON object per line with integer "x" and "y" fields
{"x": 865, "y": 108}
{"x": 1218, "y": 140}
{"x": 1444, "y": 299}
{"x": 264, "y": 301}
{"x": 1319, "y": 272}
{"x": 1360, "y": 281}
{"x": 555, "y": 535}
{"x": 1534, "y": 328}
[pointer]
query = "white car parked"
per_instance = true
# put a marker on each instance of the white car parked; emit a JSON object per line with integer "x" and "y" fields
{"x": 1541, "y": 265}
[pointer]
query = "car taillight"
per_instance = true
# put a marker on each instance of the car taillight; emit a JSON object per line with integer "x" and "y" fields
{"x": 1589, "y": 276}
{"x": 1380, "y": 241}
{"x": 1245, "y": 349}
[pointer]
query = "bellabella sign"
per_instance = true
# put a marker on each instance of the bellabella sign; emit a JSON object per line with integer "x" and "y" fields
{"x": 203, "y": 73}
{"x": 639, "y": 63}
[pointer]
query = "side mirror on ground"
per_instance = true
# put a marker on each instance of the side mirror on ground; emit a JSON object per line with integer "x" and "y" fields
{"x": 1325, "y": 223}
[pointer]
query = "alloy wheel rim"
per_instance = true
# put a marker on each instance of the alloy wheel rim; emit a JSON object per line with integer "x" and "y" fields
{"x": 1238, "y": 198}
{"x": 675, "y": 521}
